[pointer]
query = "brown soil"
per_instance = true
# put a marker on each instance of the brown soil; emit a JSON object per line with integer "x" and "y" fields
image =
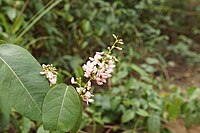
{"x": 185, "y": 76}
{"x": 178, "y": 127}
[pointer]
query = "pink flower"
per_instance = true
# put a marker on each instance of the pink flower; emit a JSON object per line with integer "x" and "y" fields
{"x": 97, "y": 57}
{"x": 87, "y": 97}
{"x": 97, "y": 68}
{"x": 100, "y": 67}
{"x": 50, "y": 72}
{"x": 53, "y": 80}
{"x": 88, "y": 68}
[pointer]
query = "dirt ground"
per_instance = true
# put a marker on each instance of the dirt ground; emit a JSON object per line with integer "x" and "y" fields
{"x": 178, "y": 127}
{"x": 184, "y": 77}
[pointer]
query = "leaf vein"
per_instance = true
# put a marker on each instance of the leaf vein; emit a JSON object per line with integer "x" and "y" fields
{"x": 62, "y": 104}
{"x": 21, "y": 84}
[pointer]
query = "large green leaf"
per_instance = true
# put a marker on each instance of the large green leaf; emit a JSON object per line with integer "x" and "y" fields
{"x": 20, "y": 81}
{"x": 61, "y": 108}
{"x": 127, "y": 116}
{"x": 142, "y": 112}
{"x": 25, "y": 125}
{"x": 78, "y": 123}
{"x": 153, "y": 124}
{"x": 4, "y": 113}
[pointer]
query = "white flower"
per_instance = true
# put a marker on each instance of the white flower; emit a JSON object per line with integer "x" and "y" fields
{"x": 87, "y": 97}
{"x": 88, "y": 94}
{"x": 119, "y": 48}
{"x": 100, "y": 67}
{"x": 97, "y": 68}
{"x": 43, "y": 65}
{"x": 50, "y": 72}
{"x": 50, "y": 75}
{"x": 89, "y": 84}
{"x": 42, "y": 73}
{"x": 114, "y": 36}
{"x": 53, "y": 80}
{"x": 97, "y": 57}
{"x": 73, "y": 80}
{"x": 79, "y": 90}
{"x": 89, "y": 101}
{"x": 88, "y": 67}
{"x": 99, "y": 82}
{"x": 109, "y": 70}
{"x": 100, "y": 53}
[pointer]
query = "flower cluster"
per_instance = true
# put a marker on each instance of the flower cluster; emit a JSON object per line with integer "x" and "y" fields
{"x": 84, "y": 92}
{"x": 98, "y": 69}
{"x": 50, "y": 72}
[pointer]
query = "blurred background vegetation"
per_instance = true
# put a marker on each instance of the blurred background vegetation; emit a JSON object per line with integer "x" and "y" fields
{"x": 156, "y": 83}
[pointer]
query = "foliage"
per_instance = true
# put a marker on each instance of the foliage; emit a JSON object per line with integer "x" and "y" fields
{"x": 29, "y": 93}
{"x": 155, "y": 32}
{"x": 140, "y": 106}
{"x": 62, "y": 108}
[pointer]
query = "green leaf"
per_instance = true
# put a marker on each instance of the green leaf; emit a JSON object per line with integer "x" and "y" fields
{"x": 115, "y": 103}
{"x": 12, "y": 13}
{"x": 5, "y": 23}
{"x": 78, "y": 123}
{"x": 138, "y": 70}
{"x": 191, "y": 119}
{"x": 144, "y": 75}
{"x": 4, "y": 113}
{"x": 154, "y": 106}
{"x": 153, "y": 124}
{"x": 61, "y": 109}
{"x": 17, "y": 24}
{"x": 128, "y": 115}
{"x": 151, "y": 61}
{"x": 142, "y": 112}
{"x": 41, "y": 130}
{"x": 20, "y": 81}
{"x": 174, "y": 108}
{"x": 106, "y": 105}
{"x": 26, "y": 125}
{"x": 86, "y": 26}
